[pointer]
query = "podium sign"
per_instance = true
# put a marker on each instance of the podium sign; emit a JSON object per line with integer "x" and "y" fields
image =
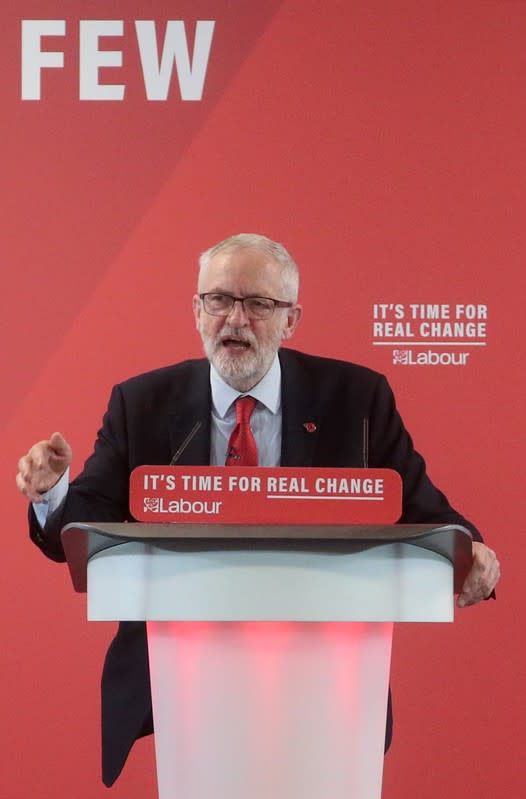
{"x": 260, "y": 495}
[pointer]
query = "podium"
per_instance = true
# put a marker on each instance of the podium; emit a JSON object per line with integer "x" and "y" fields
{"x": 270, "y": 646}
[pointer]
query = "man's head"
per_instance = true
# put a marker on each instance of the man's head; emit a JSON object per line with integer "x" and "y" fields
{"x": 241, "y": 340}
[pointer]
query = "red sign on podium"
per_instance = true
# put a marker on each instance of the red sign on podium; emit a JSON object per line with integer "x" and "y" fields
{"x": 261, "y": 495}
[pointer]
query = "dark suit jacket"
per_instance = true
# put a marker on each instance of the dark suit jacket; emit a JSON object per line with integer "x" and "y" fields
{"x": 147, "y": 419}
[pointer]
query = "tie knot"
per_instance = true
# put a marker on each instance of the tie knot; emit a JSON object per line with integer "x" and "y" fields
{"x": 244, "y": 408}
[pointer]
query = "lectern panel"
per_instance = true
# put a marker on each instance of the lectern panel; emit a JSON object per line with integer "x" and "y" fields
{"x": 389, "y": 582}
{"x": 259, "y": 710}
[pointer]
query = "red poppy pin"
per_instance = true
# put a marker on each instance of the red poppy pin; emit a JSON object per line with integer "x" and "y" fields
{"x": 310, "y": 427}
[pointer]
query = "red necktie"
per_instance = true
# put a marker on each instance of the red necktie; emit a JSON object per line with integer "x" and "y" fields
{"x": 242, "y": 449}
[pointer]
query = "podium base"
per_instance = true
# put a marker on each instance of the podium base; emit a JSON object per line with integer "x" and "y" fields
{"x": 288, "y": 710}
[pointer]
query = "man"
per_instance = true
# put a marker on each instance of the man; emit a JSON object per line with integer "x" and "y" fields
{"x": 245, "y": 307}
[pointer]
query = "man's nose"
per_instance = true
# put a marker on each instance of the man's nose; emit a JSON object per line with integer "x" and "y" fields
{"x": 237, "y": 316}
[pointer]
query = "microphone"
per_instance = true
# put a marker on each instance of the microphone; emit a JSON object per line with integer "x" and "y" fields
{"x": 365, "y": 442}
{"x": 197, "y": 426}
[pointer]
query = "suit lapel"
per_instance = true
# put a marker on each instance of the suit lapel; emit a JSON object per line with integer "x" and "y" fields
{"x": 192, "y": 404}
{"x": 302, "y": 413}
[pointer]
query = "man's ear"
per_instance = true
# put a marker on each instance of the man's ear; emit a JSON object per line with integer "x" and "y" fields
{"x": 196, "y": 307}
{"x": 293, "y": 318}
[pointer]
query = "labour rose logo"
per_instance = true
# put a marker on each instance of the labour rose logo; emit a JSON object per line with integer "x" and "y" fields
{"x": 151, "y": 504}
{"x": 401, "y": 357}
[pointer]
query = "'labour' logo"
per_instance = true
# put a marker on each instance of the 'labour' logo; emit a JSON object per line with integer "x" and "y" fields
{"x": 401, "y": 357}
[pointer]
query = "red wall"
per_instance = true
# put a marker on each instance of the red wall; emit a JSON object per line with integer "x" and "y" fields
{"x": 383, "y": 143}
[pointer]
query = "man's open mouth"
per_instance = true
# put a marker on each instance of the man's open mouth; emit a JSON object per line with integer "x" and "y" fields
{"x": 235, "y": 344}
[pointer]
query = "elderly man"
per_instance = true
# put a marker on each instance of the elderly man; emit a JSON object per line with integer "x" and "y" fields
{"x": 245, "y": 307}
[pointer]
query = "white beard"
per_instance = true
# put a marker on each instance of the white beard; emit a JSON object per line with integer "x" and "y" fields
{"x": 245, "y": 370}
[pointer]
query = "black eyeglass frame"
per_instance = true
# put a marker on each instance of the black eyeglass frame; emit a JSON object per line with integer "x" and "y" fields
{"x": 249, "y": 313}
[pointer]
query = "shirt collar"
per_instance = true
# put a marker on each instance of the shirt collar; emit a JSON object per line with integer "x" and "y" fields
{"x": 267, "y": 391}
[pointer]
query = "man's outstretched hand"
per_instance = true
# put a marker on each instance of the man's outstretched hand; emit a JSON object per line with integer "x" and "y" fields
{"x": 43, "y": 466}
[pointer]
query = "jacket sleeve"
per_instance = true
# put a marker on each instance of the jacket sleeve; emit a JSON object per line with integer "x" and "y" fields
{"x": 100, "y": 493}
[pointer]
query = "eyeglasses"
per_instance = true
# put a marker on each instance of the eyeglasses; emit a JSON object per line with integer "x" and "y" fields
{"x": 254, "y": 307}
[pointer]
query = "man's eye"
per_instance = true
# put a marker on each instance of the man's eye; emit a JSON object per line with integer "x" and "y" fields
{"x": 258, "y": 303}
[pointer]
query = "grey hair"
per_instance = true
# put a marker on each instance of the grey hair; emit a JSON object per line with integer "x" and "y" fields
{"x": 277, "y": 251}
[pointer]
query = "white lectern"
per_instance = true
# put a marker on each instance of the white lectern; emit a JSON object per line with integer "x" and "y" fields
{"x": 269, "y": 647}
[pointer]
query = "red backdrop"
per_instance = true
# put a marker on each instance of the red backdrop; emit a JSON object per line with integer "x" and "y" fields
{"x": 383, "y": 143}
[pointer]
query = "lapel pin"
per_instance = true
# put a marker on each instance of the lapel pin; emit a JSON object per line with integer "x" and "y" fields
{"x": 310, "y": 427}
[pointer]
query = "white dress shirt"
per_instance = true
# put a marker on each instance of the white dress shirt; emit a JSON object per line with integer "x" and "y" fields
{"x": 265, "y": 421}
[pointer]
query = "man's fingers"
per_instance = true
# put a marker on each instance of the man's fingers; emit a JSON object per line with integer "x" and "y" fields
{"x": 44, "y": 464}
{"x": 54, "y": 454}
{"x": 27, "y": 468}
{"x": 483, "y": 577}
{"x": 60, "y": 455}
{"x": 23, "y": 466}
{"x": 24, "y": 480}
{"x": 476, "y": 590}
{"x": 59, "y": 445}
{"x": 37, "y": 457}
{"x": 35, "y": 460}
{"x": 25, "y": 487}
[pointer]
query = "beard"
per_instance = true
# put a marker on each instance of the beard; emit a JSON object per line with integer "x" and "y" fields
{"x": 243, "y": 370}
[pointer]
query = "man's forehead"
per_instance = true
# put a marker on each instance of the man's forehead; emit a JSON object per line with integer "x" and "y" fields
{"x": 246, "y": 265}
{"x": 243, "y": 256}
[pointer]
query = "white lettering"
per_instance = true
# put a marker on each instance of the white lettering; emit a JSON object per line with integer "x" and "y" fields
{"x": 471, "y": 311}
{"x": 184, "y": 506}
{"x": 190, "y": 74}
{"x": 33, "y": 58}
{"x": 353, "y": 485}
{"x": 244, "y": 483}
{"x": 202, "y": 482}
{"x": 392, "y": 330}
{"x": 431, "y": 358}
{"x": 453, "y": 329}
{"x": 429, "y": 311}
{"x": 91, "y": 59}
